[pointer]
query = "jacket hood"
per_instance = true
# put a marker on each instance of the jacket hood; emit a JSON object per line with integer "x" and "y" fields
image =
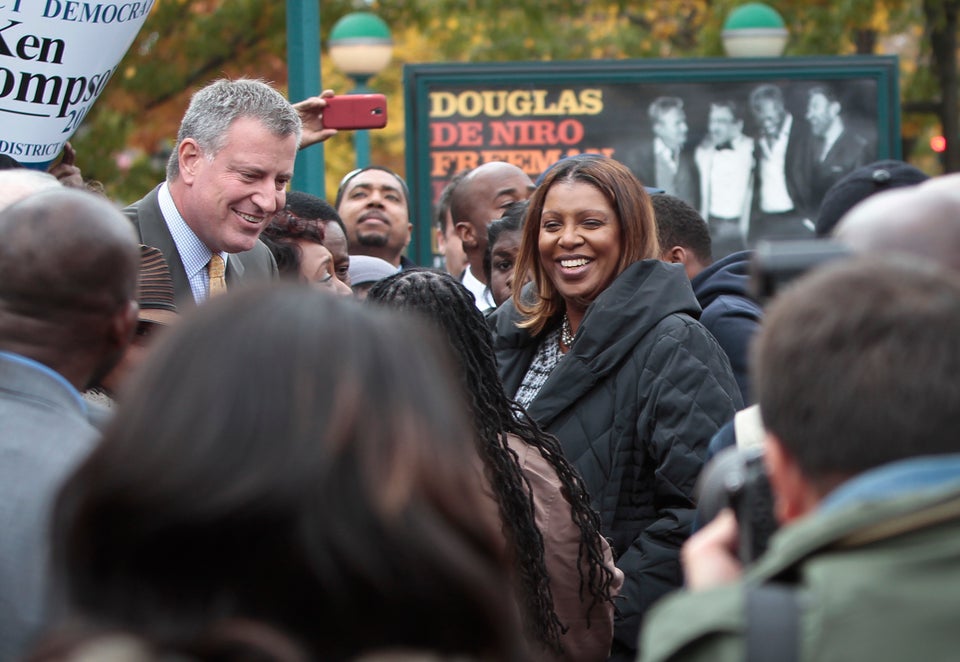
{"x": 641, "y": 296}
{"x": 730, "y": 275}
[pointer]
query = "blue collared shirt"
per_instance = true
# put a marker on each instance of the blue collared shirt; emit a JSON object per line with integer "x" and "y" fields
{"x": 193, "y": 253}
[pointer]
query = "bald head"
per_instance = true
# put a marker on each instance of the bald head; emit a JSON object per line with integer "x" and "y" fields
{"x": 922, "y": 220}
{"x": 480, "y": 198}
{"x": 68, "y": 279}
{"x": 18, "y": 183}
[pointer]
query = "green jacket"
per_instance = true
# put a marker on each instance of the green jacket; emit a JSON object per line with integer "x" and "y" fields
{"x": 880, "y": 581}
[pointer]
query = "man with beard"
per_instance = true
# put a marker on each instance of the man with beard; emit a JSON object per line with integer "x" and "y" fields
{"x": 68, "y": 308}
{"x": 835, "y": 150}
{"x": 226, "y": 177}
{"x": 374, "y": 204}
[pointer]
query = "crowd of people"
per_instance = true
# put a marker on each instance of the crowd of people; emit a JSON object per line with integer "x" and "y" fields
{"x": 238, "y": 423}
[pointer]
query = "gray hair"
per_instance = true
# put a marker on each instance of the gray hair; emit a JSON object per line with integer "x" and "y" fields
{"x": 663, "y": 105}
{"x": 19, "y": 183}
{"x": 215, "y": 107}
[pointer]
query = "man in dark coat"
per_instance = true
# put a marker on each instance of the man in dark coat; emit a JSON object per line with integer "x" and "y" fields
{"x": 666, "y": 162}
{"x": 633, "y": 403}
{"x": 225, "y": 179}
{"x": 835, "y": 149}
{"x": 782, "y": 172}
{"x": 730, "y": 313}
{"x": 68, "y": 283}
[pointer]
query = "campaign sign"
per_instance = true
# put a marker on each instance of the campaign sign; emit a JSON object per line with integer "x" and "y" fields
{"x": 56, "y": 57}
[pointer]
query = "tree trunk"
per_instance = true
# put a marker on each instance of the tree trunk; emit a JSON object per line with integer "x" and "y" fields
{"x": 942, "y": 19}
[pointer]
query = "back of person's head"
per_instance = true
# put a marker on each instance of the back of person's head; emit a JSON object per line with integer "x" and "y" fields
{"x": 214, "y": 108}
{"x": 18, "y": 183}
{"x": 856, "y": 365}
{"x": 442, "y": 210}
{"x": 223, "y": 641}
{"x": 68, "y": 280}
{"x": 860, "y": 184}
{"x": 922, "y": 221}
{"x": 278, "y": 460}
{"x": 679, "y": 224}
{"x": 306, "y": 205}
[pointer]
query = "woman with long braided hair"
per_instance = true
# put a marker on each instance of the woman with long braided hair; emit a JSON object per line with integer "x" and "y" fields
{"x": 564, "y": 567}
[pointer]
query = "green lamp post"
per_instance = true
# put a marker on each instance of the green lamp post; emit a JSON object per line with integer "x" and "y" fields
{"x": 361, "y": 46}
{"x": 754, "y": 30}
{"x": 303, "y": 67}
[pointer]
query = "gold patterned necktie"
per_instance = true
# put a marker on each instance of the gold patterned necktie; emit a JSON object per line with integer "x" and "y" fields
{"x": 215, "y": 268}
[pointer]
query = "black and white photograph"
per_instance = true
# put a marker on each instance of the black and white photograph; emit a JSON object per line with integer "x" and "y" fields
{"x": 752, "y": 145}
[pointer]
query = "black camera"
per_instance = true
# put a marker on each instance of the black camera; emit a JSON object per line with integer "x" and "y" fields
{"x": 736, "y": 478}
{"x": 776, "y": 263}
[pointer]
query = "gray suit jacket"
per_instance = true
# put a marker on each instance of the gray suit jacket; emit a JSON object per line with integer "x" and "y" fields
{"x": 254, "y": 265}
{"x": 44, "y": 434}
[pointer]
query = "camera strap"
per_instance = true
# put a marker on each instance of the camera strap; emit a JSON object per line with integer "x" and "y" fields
{"x": 773, "y": 623}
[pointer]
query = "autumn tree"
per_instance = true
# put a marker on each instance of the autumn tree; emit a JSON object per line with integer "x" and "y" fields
{"x": 184, "y": 44}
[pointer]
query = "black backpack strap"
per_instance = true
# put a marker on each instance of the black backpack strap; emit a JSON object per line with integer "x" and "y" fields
{"x": 773, "y": 623}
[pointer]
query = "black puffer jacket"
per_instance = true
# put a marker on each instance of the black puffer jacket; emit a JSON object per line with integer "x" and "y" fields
{"x": 634, "y": 404}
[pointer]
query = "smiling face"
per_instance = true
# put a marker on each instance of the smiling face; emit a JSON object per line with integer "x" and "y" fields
{"x": 722, "y": 125}
{"x": 228, "y": 199}
{"x": 374, "y": 211}
{"x": 770, "y": 115}
{"x": 579, "y": 242}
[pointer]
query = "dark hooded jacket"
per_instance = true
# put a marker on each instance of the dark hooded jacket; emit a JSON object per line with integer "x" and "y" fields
{"x": 634, "y": 404}
{"x": 729, "y": 313}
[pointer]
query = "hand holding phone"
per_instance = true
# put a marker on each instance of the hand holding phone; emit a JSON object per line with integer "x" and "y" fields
{"x": 355, "y": 111}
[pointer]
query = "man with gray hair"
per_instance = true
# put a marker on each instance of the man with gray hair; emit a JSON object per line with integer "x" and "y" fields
{"x": 666, "y": 162}
{"x": 226, "y": 177}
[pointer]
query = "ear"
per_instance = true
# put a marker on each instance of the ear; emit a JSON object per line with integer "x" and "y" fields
{"x": 793, "y": 495}
{"x": 123, "y": 324}
{"x": 189, "y": 155}
{"x": 409, "y": 234}
{"x": 441, "y": 241}
{"x": 675, "y": 255}
{"x": 467, "y": 234}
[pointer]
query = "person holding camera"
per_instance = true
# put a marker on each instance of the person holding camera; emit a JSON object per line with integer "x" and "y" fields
{"x": 855, "y": 368}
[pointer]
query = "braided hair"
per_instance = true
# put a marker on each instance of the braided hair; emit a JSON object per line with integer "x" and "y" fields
{"x": 448, "y": 304}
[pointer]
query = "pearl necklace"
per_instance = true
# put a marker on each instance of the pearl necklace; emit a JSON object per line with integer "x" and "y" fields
{"x": 566, "y": 333}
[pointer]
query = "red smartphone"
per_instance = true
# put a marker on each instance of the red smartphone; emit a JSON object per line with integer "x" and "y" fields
{"x": 355, "y": 111}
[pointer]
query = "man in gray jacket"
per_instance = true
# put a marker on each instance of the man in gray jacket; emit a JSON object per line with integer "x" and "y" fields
{"x": 68, "y": 281}
{"x": 226, "y": 177}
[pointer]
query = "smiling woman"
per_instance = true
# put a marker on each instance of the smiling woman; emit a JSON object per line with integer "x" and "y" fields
{"x": 605, "y": 352}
